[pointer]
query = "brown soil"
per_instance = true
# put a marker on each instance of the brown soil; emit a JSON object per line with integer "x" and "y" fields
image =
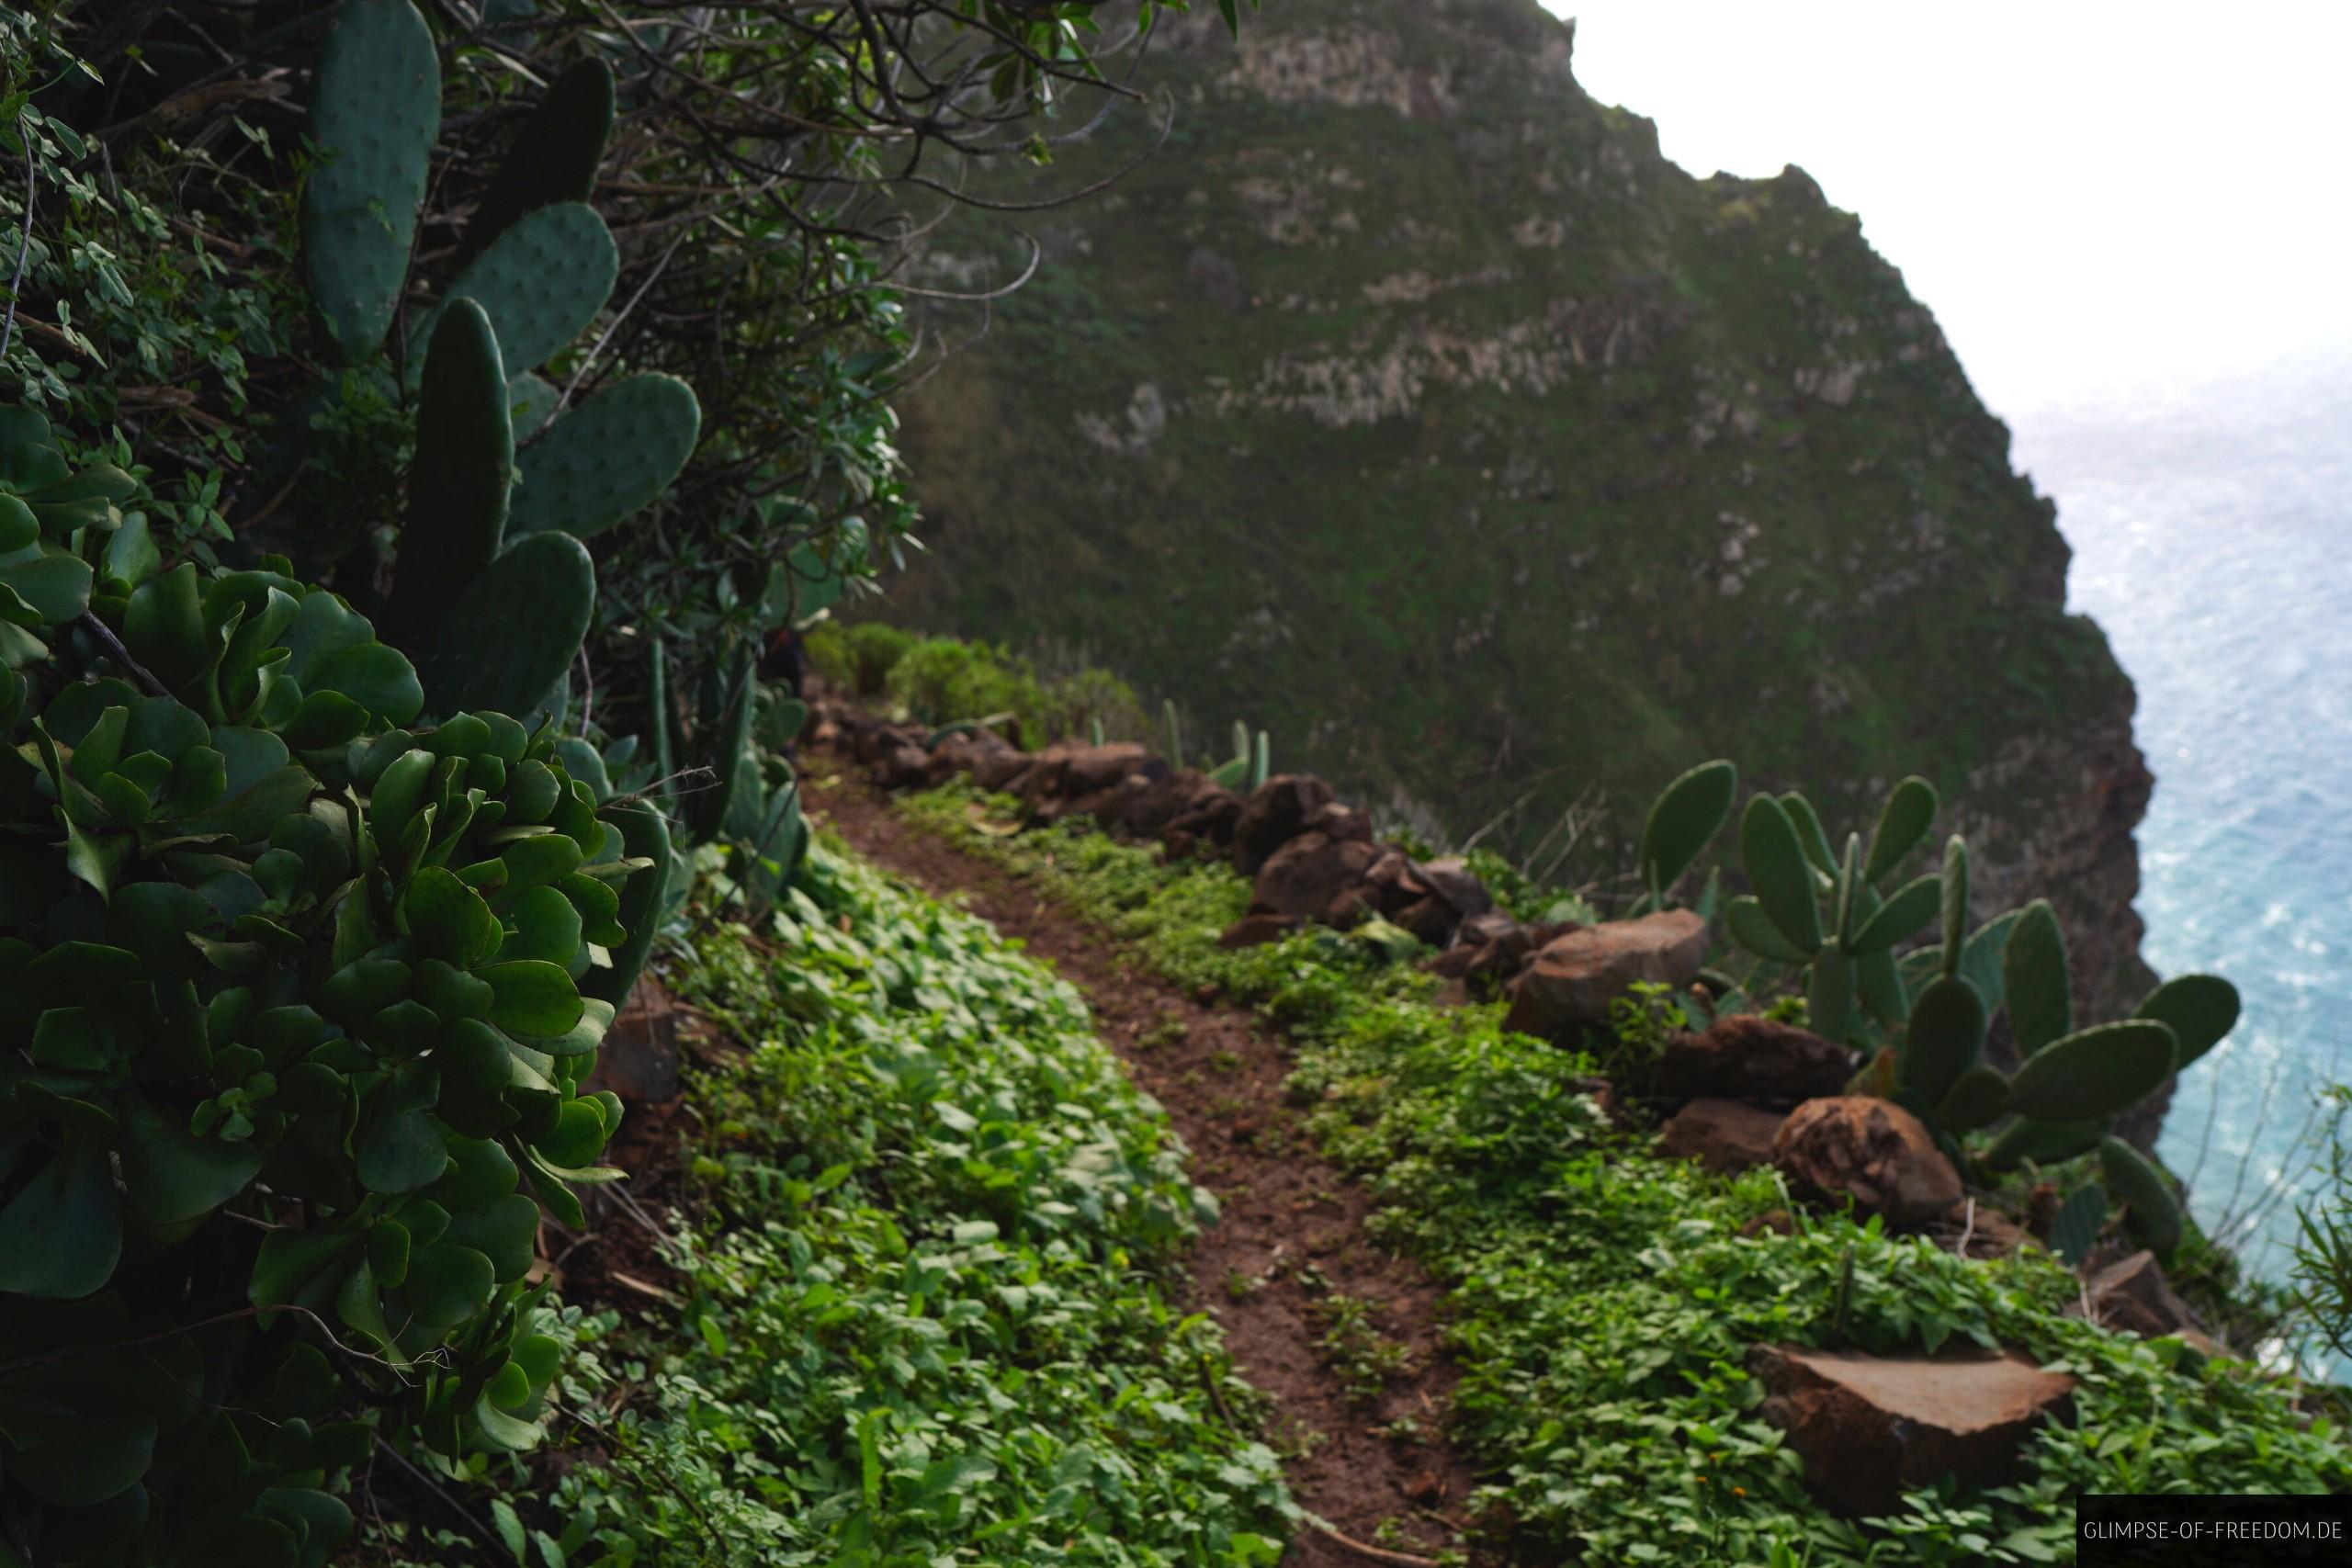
{"x": 1290, "y": 1239}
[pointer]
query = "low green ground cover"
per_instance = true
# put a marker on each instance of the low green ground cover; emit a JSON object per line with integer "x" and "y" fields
{"x": 928, "y": 1316}
{"x": 1604, "y": 1301}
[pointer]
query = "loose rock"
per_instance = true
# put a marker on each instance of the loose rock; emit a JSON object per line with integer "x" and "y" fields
{"x": 1256, "y": 931}
{"x": 1314, "y": 877}
{"x": 1748, "y": 1057}
{"x": 1275, "y": 812}
{"x": 1723, "y": 1135}
{"x": 2134, "y": 1295}
{"x": 1871, "y": 1150}
{"x": 1871, "y": 1428}
{"x": 1575, "y": 977}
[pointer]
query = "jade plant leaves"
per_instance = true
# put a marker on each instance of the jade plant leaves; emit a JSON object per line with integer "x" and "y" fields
{"x": 291, "y": 963}
{"x": 59, "y": 1237}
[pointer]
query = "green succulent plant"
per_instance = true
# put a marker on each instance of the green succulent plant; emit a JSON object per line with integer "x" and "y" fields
{"x": 1827, "y": 914}
{"x": 1682, "y": 822}
{"x": 495, "y": 614}
{"x": 1832, "y": 914}
{"x": 1251, "y": 764}
{"x": 738, "y": 731}
{"x": 269, "y": 955}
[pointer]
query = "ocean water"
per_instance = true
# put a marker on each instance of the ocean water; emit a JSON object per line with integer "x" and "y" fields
{"x": 2212, "y": 531}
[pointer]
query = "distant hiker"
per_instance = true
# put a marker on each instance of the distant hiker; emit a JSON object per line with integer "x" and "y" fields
{"x": 786, "y": 659}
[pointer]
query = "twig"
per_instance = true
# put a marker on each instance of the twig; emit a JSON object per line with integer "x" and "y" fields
{"x": 122, "y": 655}
{"x": 587, "y": 690}
{"x": 1968, "y": 1231}
{"x": 1377, "y": 1554}
{"x": 489, "y": 1536}
{"x": 24, "y": 249}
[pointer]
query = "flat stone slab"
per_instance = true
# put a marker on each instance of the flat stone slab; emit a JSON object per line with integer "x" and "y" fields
{"x": 1725, "y": 1135}
{"x": 1871, "y": 1428}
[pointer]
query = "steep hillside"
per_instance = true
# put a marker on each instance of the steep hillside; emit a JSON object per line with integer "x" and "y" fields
{"x": 1410, "y": 403}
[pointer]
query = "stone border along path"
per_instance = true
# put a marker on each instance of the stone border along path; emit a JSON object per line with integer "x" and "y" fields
{"x": 1291, "y": 1236}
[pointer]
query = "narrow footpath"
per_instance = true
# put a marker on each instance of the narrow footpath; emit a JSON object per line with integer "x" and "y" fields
{"x": 1288, "y": 1261}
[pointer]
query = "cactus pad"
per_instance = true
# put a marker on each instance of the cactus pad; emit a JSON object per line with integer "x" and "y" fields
{"x": 2033, "y": 970}
{"x": 1973, "y": 1102}
{"x": 645, "y": 832}
{"x": 553, "y": 157}
{"x": 542, "y": 281}
{"x": 530, "y": 401}
{"x": 2095, "y": 1073}
{"x": 1947, "y": 1032}
{"x": 2045, "y": 1143}
{"x": 2200, "y": 1008}
{"x": 504, "y": 642}
{"x": 1902, "y": 823}
{"x": 2155, "y": 1214}
{"x": 608, "y": 458}
{"x": 1829, "y": 1000}
{"x": 376, "y": 108}
{"x": 1686, "y": 816}
{"x": 1778, "y": 866}
{"x": 2074, "y": 1229}
{"x": 464, "y": 468}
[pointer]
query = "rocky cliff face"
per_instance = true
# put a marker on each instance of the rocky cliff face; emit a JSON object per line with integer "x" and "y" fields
{"x": 1410, "y": 404}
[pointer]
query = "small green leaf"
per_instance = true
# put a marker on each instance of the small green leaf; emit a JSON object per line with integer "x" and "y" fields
{"x": 535, "y": 998}
{"x": 449, "y": 920}
{"x": 60, "y": 1236}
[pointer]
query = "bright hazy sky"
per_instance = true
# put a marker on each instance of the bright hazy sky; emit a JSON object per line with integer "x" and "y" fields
{"x": 2090, "y": 196}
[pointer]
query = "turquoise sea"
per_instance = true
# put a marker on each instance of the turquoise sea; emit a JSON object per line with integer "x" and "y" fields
{"x": 2213, "y": 532}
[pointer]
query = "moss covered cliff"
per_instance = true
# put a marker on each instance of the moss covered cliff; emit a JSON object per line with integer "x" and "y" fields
{"x": 1410, "y": 404}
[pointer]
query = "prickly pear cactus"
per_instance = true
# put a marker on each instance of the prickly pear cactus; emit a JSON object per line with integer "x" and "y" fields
{"x": 607, "y": 458}
{"x": 542, "y": 281}
{"x": 464, "y": 471}
{"x": 553, "y": 158}
{"x": 645, "y": 833}
{"x": 2152, "y": 1211}
{"x": 1682, "y": 821}
{"x": 508, "y": 637}
{"x": 376, "y": 107}
{"x": 2074, "y": 1230}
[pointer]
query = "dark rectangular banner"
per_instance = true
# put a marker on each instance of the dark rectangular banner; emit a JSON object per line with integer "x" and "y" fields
{"x": 2239, "y": 1532}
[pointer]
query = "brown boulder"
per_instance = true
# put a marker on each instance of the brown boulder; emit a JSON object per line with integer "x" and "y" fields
{"x": 1575, "y": 977}
{"x": 1314, "y": 877}
{"x": 1463, "y": 893}
{"x": 962, "y": 754}
{"x": 1341, "y": 822}
{"x": 639, "y": 1059}
{"x": 901, "y": 764}
{"x": 1748, "y": 1057}
{"x": 1723, "y": 1135}
{"x": 1871, "y": 1149}
{"x": 1431, "y": 919}
{"x": 1256, "y": 931}
{"x": 1872, "y": 1428}
{"x": 1157, "y": 805}
{"x": 2134, "y": 1296}
{"x": 1492, "y": 925}
{"x": 1275, "y": 812}
{"x": 1207, "y": 817}
{"x": 1089, "y": 770}
{"x": 997, "y": 771}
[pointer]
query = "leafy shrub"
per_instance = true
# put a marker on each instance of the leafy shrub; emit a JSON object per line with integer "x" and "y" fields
{"x": 944, "y": 680}
{"x": 857, "y": 658}
{"x": 1604, "y": 1301}
{"x": 310, "y": 982}
{"x": 1077, "y": 703}
{"x": 930, "y": 1309}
